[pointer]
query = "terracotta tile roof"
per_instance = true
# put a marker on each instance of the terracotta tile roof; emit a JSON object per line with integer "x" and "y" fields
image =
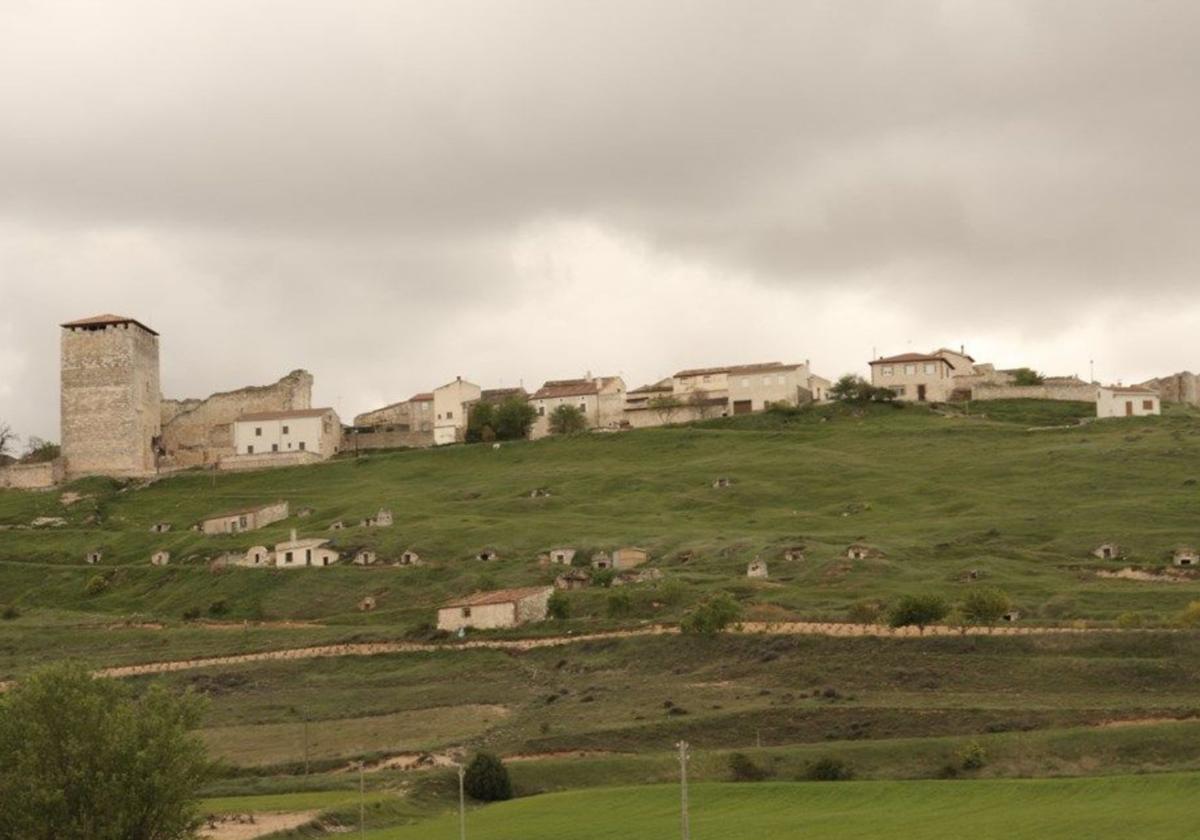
{"x": 284, "y": 415}
{"x": 498, "y": 596}
{"x": 567, "y": 388}
{"x": 104, "y": 320}
{"x": 500, "y": 394}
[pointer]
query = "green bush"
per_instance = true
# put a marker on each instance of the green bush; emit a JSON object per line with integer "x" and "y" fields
{"x": 743, "y": 769}
{"x": 486, "y": 779}
{"x": 829, "y": 769}
{"x": 619, "y": 604}
{"x": 567, "y": 420}
{"x": 712, "y": 616}
{"x": 559, "y": 606}
{"x": 985, "y": 605}
{"x": 95, "y": 585}
{"x": 10, "y": 612}
{"x": 972, "y": 756}
{"x": 918, "y": 611}
{"x": 865, "y": 612}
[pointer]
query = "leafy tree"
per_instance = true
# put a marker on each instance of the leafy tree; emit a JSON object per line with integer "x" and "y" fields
{"x": 85, "y": 758}
{"x": 514, "y": 419}
{"x": 480, "y": 421}
{"x": 854, "y": 389}
{"x": 665, "y": 407}
{"x": 985, "y": 605}
{"x": 567, "y": 420}
{"x": 486, "y": 779}
{"x": 38, "y": 451}
{"x": 1027, "y": 376}
{"x": 918, "y": 611}
{"x": 712, "y": 616}
{"x": 559, "y": 606}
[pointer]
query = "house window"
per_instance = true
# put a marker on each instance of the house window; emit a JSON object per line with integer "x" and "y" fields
{"x": 241, "y": 522}
{"x": 886, "y": 370}
{"x": 258, "y": 431}
{"x": 274, "y": 447}
{"x": 1148, "y": 405}
{"x": 250, "y": 450}
{"x": 285, "y": 430}
{"x": 929, "y": 368}
{"x": 287, "y": 557}
{"x": 449, "y": 415}
{"x": 301, "y": 446}
{"x": 910, "y": 369}
{"x": 541, "y": 411}
{"x": 583, "y": 407}
{"x": 466, "y": 612}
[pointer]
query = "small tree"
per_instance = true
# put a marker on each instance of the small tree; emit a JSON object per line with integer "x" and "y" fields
{"x": 918, "y": 611}
{"x": 665, "y": 407}
{"x": 85, "y": 757}
{"x": 38, "y": 451}
{"x": 848, "y": 388}
{"x": 486, "y": 779}
{"x": 567, "y": 420}
{"x": 7, "y": 438}
{"x": 1027, "y": 376}
{"x": 514, "y": 419}
{"x": 712, "y": 616}
{"x": 481, "y": 422}
{"x": 985, "y": 605}
{"x": 559, "y": 606}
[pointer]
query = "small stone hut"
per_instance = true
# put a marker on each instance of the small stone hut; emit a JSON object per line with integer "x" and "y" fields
{"x": 794, "y": 553}
{"x": 93, "y": 557}
{"x": 337, "y": 526}
{"x": 1107, "y": 551}
{"x": 720, "y": 483}
{"x": 382, "y": 519}
{"x": 602, "y": 560}
{"x": 245, "y": 519}
{"x": 629, "y": 557}
{"x": 757, "y": 568}
{"x": 500, "y": 608}
{"x": 487, "y": 555}
{"x": 364, "y": 557}
{"x": 258, "y": 555}
{"x": 410, "y": 558}
{"x": 160, "y": 558}
{"x": 1185, "y": 556}
{"x": 367, "y": 604}
{"x": 562, "y": 556}
{"x": 160, "y": 527}
{"x": 862, "y": 551}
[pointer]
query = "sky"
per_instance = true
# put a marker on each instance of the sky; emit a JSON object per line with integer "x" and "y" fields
{"x": 390, "y": 194}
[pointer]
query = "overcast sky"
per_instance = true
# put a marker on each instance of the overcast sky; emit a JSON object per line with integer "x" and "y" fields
{"x": 391, "y": 194}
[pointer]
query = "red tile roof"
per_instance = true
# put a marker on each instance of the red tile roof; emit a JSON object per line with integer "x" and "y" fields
{"x": 284, "y": 415}
{"x": 105, "y": 320}
{"x": 911, "y": 357}
{"x": 499, "y": 596}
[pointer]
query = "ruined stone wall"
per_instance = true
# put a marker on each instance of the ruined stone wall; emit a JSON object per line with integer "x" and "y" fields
{"x": 32, "y": 476}
{"x": 199, "y": 432}
{"x": 1077, "y": 393}
{"x": 268, "y": 460}
{"x": 110, "y": 400}
{"x": 384, "y": 438}
{"x": 1183, "y": 387}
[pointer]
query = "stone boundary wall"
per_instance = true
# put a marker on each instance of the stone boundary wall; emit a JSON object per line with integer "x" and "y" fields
{"x": 268, "y": 460}
{"x": 365, "y": 439}
{"x": 1074, "y": 393}
{"x": 32, "y": 476}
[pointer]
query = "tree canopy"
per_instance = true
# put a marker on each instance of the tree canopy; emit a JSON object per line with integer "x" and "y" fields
{"x": 82, "y": 757}
{"x": 486, "y": 779}
{"x": 567, "y": 420}
{"x": 985, "y": 605}
{"x": 918, "y": 611}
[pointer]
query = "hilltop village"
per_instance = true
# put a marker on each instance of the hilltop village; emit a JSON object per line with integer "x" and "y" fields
{"x": 115, "y": 421}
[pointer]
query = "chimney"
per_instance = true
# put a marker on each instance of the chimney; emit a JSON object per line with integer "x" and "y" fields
{"x": 962, "y": 349}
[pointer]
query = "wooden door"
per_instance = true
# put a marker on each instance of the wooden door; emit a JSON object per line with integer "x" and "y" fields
{"x": 1129, "y": 408}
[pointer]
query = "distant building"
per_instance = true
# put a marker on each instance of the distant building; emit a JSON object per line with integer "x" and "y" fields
{"x": 1116, "y": 401}
{"x": 297, "y": 553}
{"x": 451, "y": 403}
{"x": 245, "y": 519}
{"x": 922, "y": 377}
{"x": 316, "y": 431}
{"x": 601, "y": 400}
{"x": 629, "y": 557}
{"x": 501, "y": 608}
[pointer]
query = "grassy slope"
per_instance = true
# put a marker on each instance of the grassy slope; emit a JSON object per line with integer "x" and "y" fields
{"x": 1152, "y": 808}
{"x": 945, "y": 494}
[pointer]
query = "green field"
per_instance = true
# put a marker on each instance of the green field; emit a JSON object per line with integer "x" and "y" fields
{"x": 1149, "y": 808}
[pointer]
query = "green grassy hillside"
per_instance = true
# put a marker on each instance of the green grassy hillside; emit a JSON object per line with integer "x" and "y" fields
{"x": 940, "y": 495}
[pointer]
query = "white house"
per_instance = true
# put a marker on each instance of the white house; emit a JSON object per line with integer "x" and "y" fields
{"x": 451, "y": 403}
{"x": 297, "y": 554}
{"x": 501, "y": 608}
{"x": 1116, "y": 401}
{"x": 313, "y": 430}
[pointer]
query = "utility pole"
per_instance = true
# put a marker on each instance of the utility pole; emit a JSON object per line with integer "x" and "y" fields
{"x": 683, "y": 790}
{"x": 1091, "y": 371}
{"x": 362, "y": 801}
{"x": 462, "y": 804}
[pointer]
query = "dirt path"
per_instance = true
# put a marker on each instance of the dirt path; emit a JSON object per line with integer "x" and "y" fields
{"x": 794, "y": 628}
{"x": 239, "y": 826}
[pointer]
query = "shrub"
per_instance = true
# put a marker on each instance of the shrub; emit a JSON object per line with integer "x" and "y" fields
{"x": 1130, "y": 620}
{"x": 829, "y": 769}
{"x": 567, "y": 420}
{"x": 743, "y": 769}
{"x": 865, "y": 612}
{"x": 559, "y": 606}
{"x": 486, "y": 779}
{"x": 619, "y": 605}
{"x": 985, "y": 605}
{"x": 603, "y": 577}
{"x": 972, "y": 756}
{"x": 918, "y": 611}
{"x": 218, "y": 607}
{"x": 191, "y": 613}
{"x": 1027, "y": 376}
{"x": 1190, "y": 617}
{"x": 95, "y": 585}
{"x": 712, "y": 616}
{"x": 10, "y": 612}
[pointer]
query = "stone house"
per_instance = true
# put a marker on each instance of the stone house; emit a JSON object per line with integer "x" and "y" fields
{"x": 629, "y": 557}
{"x": 305, "y": 434}
{"x": 922, "y": 377}
{"x": 160, "y": 558}
{"x": 367, "y": 604}
{"x": 562, "y": 556}
{"x": 752, "y": 388}
{"x": 573, "y": 579}
{"x": 246, "y": 519}
{"x": 297, "y": 553}
{"x": 601, "y": 560}
{"x": 93, "y": 558}
{"x": 451, "y": 405}
{"x": 337, "y": 525}
{"x": 1116, "y": 401}
{"x": 1107, "y": 551}
{"x": 601, "y": 399}
{"x": 364, "y": 557}
{"x": 410, "y": 558}
{"x": 757, "y": 568}
{"x": 414, "y": 414}
{"x": 1185, "y": 556}
{"x": 794, "y": 554}
{"x": 497, "y": 609}
{"x": 862, "y": 551}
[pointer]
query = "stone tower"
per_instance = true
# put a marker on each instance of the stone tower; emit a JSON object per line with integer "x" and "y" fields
{"x": 111, "y": 403}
